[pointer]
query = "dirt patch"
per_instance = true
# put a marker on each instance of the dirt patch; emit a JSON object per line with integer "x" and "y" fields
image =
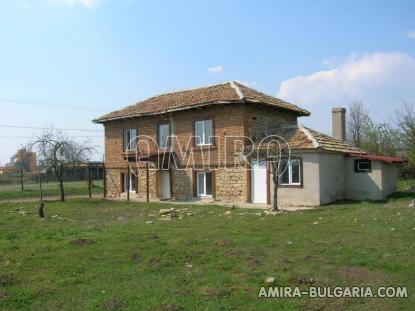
{"x": 153, "y": 237}
{"x": 222, "y": 243}
{"x": 359, "y": 275}
{"x": 191, "y": 242}
{"x": 218, "y": 292}
{"x": 135, "y": 257}
{"x": 234, "y": 253}
{"x": 303, "y": 280}
{"x": 156, "y": 263}
{"x": 4, "y": 295}
{"x": 113, "y": 304}
{"x": 167, "y": 307}
{"x": 82, "y": 242}
{"x": 254, "y": 263}
{"x": 7, "y": 280}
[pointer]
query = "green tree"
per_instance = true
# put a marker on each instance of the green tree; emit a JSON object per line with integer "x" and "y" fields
{"x": 405, "y": 120}
{"x": 380, "y": 138}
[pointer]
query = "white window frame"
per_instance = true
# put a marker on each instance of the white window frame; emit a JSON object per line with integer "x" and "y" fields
{"x": 204, "y": 138}
{"x": 204, "y": 183}
{"x": 132, "y": 177}
{"x": 159, "y": 135}
{"x": 132, "y": 132}
{"x": 290, "y": 173}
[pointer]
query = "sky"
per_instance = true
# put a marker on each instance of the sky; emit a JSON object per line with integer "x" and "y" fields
{"x": 65, "y": 62}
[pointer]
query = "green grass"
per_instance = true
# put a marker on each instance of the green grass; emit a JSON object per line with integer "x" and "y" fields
{"x": 101, "y": 255}
{"x": 406, "y": 183}
{"x": 8, "y": 192}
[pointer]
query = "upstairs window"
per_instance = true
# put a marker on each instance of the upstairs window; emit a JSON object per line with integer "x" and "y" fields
{"x": 130, "y": 139}
{"x": 362, "y": 166}
{"x": 203, "y": 132}
{"x": 290, "y": 172}
{"x": 164, "y": 135}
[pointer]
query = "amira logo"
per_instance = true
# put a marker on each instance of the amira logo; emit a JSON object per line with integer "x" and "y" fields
{"x": 233, "y": 153}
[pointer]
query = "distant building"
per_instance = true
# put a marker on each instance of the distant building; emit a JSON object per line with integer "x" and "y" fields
{"x": 23, "y": 160}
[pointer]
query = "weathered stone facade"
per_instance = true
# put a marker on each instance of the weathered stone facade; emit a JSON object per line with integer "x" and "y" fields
{"x": 231, "y": 184}
{"x": 113, "y": 183}
{"x": 182, "y": 184}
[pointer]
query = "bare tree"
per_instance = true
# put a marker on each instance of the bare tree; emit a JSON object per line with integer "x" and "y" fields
{"x": 56, "y": 151}
{"x": 270, "y": 143}
{"x": 405, "y": 120}
{"x": 357, "y": 119}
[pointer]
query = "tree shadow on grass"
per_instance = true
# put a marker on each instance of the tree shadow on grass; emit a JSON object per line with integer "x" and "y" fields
{"x": 400, "y": 195}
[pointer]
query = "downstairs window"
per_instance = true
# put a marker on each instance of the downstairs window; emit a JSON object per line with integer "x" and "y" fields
{"x": 290, "y": 172}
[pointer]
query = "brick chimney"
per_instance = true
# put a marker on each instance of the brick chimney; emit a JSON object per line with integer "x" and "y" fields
{"x": 338, "y": 123}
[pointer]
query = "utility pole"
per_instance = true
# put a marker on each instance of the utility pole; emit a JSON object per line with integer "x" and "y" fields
{"x": 148, "y": 181}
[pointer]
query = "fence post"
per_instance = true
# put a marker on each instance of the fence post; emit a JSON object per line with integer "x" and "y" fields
{"x": 21, "y": 179}
{"x": 148, "y": 181}
{"x": 89, "y": 181}
{"x": 128, "y": 185}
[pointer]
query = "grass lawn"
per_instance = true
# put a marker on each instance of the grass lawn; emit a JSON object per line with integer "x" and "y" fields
{"x": 9, "y": 192}
{"x": 101, "y": 255}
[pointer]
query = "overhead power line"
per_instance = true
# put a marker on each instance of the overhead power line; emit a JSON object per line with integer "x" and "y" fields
{"x": 27, "y": 137}
{"x": 35, "y": 103}
{"x": 49, "y": 128}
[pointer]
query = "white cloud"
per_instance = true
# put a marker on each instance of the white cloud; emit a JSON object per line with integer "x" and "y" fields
{"x": 216, "y": 69}
{"x": 411, "y": 34}
{"x": 85, "y": 3}
{"x": 251, "y": 84}
{"x": 380, "y": 80}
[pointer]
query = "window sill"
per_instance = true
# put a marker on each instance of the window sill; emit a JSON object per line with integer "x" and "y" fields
{"x": 290, "y": 186}
{"x": 204, "y": 197}
{"x": 204, "y": 147}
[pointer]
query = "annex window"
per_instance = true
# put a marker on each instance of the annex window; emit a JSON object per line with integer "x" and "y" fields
{"x": 204, "y": 184}
{"x": 130, "y": 139}
{"x": 290, "y": 172}
{"x": 203, "y": 132}
{"x": 164, "y": 135}
{"x": 362, "y": 166}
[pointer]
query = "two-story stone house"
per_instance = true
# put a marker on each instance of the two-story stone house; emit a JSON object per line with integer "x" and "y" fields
{"x": 186, "y": 145}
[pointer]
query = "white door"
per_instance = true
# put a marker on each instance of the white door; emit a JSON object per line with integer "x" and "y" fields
{"x": 165, "y": 185}
{"x": 259, "y": 181}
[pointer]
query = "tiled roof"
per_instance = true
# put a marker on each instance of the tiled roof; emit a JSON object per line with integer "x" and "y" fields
{"x": 229, "y": 92}
{"x": 305, "y": 138}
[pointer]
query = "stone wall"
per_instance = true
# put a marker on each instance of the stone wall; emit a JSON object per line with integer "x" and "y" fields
{"x": 142, "y": 184}
{"x": 182, "y": 184}
{"x": 113, "y": 181}
{"x": 231, "y": 184}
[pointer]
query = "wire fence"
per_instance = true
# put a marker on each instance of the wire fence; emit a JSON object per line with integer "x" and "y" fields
{"x": 84, "y": 180}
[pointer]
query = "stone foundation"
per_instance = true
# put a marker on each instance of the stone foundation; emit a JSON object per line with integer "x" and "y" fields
{"x": 182, "y": 184}
{"x": 231, "y": 185}
{"x": 113, "y": 183}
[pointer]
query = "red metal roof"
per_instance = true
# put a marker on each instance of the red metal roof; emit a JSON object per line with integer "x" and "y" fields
{"x": 386, "y": 159}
